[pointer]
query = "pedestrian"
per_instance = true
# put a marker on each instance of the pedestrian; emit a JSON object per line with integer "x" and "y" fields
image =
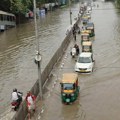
{"x": 79, "y": 30}
{"x": 74, "y": 36}
{"x": 30, "y": 100}
{"x": 77, "y": 49}
{"x": 73, "y": 31}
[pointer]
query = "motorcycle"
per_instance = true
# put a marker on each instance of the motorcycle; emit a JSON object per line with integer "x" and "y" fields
{"x": 15, "y": 104}
{"x": 73, "y": 52}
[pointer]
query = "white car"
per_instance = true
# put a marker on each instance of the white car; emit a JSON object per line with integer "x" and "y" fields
{"x": 85, "y": 62}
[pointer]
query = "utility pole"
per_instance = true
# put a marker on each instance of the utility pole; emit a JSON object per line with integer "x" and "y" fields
{"x": 38, "y": 56}
{"x": 79, "y": 5}
{"x": 70, "y": 12}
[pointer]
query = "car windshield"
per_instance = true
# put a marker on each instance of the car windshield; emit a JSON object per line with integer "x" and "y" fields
{"x": 67, "y": 86}
{"x": 84, "y": 60}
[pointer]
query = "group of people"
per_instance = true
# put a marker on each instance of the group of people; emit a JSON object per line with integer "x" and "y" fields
{"x": 30, "y": 100}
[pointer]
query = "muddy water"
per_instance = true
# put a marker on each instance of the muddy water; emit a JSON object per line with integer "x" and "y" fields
{"x": 101, "y": 94}
{"x": 17, "y": 51}
{"x": 99, "y": 97}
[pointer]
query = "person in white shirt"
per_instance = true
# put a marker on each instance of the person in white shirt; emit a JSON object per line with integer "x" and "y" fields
{"x": 30, "y": 99}
{"x": 16, "y": 96}
{"x": 30, "y": 102}
{"x": 73, "y": 52}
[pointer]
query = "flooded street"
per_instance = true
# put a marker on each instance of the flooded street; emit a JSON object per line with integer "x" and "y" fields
{"x": 18, "y": 49}
{"x": 99, "y": 92}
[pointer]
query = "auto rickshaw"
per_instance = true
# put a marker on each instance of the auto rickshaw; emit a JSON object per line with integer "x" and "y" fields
{"x": 90, "y": 26}
{"x": 86, "y": 31}
{"x": 87, "y": 46}
{"x": 84, "y": 37}
{"x": 69, "y": 88}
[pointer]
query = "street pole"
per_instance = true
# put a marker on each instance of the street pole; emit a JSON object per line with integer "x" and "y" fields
{"x": 70, "y": 12}
{"x": 38, "y": 56}
{"x": 79, "y": 5}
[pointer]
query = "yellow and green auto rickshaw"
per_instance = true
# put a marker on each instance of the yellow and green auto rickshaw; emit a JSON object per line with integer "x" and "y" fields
{"x": 90, "y": 26}
{"x": 85, "y": 37}
{"x": 87, "y": 46}
{"x": 69, "y": 88}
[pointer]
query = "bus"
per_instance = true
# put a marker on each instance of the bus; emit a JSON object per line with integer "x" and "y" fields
{"x": 7, "y": 20}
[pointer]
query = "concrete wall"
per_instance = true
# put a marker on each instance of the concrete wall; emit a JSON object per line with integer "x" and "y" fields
{"x": 22, "y": 112}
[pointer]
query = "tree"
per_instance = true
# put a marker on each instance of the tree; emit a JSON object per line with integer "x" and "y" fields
{"x": 5, "y": 5}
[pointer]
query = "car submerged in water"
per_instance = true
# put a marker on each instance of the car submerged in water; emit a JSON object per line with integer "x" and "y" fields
{"x": 85, "y": 63}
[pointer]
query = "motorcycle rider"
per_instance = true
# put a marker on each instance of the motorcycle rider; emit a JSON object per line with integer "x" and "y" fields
{"x": 16, "y": 96}
{"x": 73, "y": 52}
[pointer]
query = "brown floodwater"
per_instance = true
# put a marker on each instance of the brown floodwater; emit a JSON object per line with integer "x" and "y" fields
{"x": 18, "y": 49}
{"x": 99, "y": 92}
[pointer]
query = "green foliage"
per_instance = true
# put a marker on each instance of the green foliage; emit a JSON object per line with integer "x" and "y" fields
{"x": 117, "y": 2}
{"x": 20, "y": 6}
{"x": 16, "y": 6}
{"x": 5, "y": 5}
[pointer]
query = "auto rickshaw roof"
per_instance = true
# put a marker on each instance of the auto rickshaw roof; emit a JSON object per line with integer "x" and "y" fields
{"x": 85, "y": 31}
{"x": 88, "y": 43}
{"x": 86, "y": 34}
{"x": 69, "y": 78}
{"x": 85, "y": 17}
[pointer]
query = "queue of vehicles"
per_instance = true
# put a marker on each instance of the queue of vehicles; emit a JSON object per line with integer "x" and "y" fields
{"x": 85, "y": 63}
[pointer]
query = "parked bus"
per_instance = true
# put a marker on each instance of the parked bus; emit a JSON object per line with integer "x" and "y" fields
{"x": 7, "y": 20}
